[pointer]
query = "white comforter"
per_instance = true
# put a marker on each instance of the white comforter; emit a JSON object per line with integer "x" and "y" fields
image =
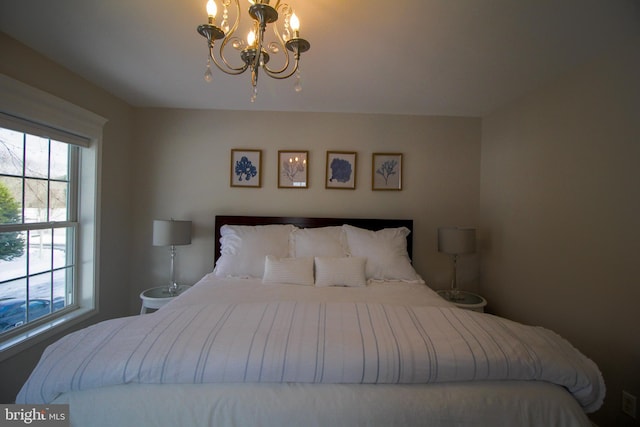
{"x": 293, "y": 334}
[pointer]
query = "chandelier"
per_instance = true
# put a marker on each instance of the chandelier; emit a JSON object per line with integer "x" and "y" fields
{"x": 255, "y": 52}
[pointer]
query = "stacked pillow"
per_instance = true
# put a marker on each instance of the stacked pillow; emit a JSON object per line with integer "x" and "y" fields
{"x": 385, "y": 251}
{"x": 243, "y": 248}
{"x": 340, "y": 256}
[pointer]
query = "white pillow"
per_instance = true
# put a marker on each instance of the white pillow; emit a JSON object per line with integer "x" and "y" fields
{"x": 346, "y": 271}
{"x": 244, "y": 248}
{"x": 385, "y": 250}
{"x": 321, "y": 241}
{"x": 296, "y": 271}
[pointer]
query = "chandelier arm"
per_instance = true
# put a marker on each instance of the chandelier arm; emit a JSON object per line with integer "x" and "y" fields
{"x": 285, "y": 7}
{"x": 228, "y": 70}
{"x": 279, "y": 75}
{"x": 281, "y": 70}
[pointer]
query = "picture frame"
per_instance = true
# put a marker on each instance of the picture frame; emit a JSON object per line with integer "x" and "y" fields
{"x": 340, "y": 170}
{"x": 246, "y": 168}
{"x": 293, "y": 169}
{"x": 386, "y": 173}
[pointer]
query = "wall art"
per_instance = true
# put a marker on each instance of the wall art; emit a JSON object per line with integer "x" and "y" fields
{"x": 293, "y": 169}
{"x": 246, "y": 168}
{"x": 387, "y": 171}
{"x": 341, "y": 170}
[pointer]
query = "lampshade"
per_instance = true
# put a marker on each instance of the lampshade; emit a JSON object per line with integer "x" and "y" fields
{"x": 171, "y": 232}
{"x": 456, "y": 241}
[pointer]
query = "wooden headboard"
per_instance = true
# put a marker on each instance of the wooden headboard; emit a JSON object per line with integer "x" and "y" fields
{"x": 369, "y": 224}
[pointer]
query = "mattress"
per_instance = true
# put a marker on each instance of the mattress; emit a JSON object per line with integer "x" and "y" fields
{"x": 491, "y": 404}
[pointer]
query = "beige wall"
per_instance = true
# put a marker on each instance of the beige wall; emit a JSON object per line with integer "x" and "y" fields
{"x": 182, "y": 160}
{"x": 23, "y": 64}
{"x": 560, "y": 213}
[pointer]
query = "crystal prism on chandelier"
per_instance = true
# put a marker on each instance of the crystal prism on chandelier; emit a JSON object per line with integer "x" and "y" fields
{"x": 278, "y": 58}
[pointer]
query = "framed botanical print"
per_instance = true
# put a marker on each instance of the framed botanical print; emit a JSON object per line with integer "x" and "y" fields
{"x": 293, "y": 169}
{"x": 341, "y": 170}
{"x": 386, "y": 171}
{"x": 246, "y": 168}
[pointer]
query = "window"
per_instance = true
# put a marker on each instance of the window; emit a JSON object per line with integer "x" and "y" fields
{"x": 38, "y": 227}
{"x": 49, "y": 192}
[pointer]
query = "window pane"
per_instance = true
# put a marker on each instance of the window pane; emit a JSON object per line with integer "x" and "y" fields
{"x": 39, "y": 251}
{"x": 58, "y": 192}
{"x": 10, "y": 200}
{"x": 63, "y": 247}
{"x": 11, "y": 152}
{"x": 12, "y": 298}
{"x": 59, "y": 161}
{"x": 40, "y": 286}
{"x": 39, "y": 307}
{"x": 14, "y": 289}
{"x": 35, "y": 200}
{"x": 58, "y": 303}
{"x": 13, "y": 260}
{"x": 37, "y": 157}
{"x": 62, "y": 288}
{"x": 13, "y": 314}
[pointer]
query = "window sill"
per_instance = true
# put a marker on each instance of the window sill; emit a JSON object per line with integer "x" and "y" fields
{"x": 22, "y": 341}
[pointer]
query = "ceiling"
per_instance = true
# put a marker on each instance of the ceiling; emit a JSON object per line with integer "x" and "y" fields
{"x": 427, "y": 57}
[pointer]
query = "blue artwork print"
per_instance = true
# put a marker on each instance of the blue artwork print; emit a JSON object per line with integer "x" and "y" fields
{"x": 387, "y": 169}
{"x": 340, "y": 170}
{"x": 245, "y": 170}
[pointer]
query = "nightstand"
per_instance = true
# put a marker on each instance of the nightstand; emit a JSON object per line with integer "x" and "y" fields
{"x": 465, "y": 300}
{"x": 155, "y": 298}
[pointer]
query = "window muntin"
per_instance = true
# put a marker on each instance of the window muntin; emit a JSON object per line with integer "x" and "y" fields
{"x": 37, "y": 228}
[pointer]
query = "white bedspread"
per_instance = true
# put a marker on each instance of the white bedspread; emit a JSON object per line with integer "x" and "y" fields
{"x": 296, "y": 340}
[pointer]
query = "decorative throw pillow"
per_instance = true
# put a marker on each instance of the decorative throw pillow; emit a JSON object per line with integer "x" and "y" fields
{"x": 296, "y": 271}
{"x": 345, "y": 271}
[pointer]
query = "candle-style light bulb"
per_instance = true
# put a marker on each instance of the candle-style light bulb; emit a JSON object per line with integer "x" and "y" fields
{"x": 251, "y": 38}
{"x": 212, "y": 9}
{"x": 295, "y": 25}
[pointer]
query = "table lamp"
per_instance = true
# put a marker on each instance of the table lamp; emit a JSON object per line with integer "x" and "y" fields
{"x": 456, "y": 241}
{"x": 171, "y": 233}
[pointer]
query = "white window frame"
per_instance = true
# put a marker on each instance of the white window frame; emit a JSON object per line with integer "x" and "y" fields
{"x": 25, "y": 102}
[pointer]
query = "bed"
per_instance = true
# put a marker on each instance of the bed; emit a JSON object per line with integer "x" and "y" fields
{"x": 315, "y": 322}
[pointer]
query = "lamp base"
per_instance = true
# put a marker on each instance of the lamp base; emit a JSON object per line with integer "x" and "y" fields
{"x": 454, "y": 295}
{"x": 174, "y": 289}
